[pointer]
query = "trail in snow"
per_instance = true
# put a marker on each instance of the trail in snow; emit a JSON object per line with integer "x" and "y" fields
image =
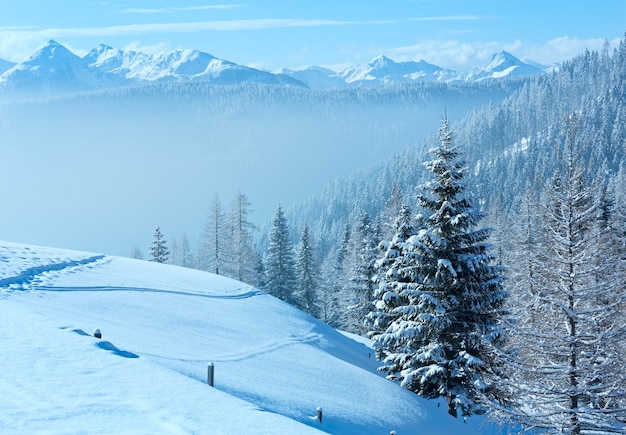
{"x": 30, "y": 276}
{"x": 251, "y": 292}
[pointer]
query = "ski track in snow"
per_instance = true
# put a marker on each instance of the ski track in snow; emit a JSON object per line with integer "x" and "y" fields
{"x": 31, "y": 276}
{"x": 250, "y": 352}
{"x": 248, "y": 294}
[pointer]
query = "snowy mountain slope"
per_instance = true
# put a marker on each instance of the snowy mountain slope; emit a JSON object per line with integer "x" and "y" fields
{"x": 382, "y": 69}
{"x": 54, "y": 69}
{"x": 161, "y": 325}
{"x": 5, "y": 65}
{"x": 177, "y": 65}
{"x": 504, "y": 64}
{"x": 315, "y": 77}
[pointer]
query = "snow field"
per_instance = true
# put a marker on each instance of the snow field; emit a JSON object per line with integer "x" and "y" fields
{"x": 161, "y": 326}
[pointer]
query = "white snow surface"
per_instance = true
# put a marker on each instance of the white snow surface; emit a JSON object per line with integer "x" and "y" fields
{"x": 161, "y": 326}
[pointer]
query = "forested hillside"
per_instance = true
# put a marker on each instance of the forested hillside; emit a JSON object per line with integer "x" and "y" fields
{"x": 404, "y": 259}
{"x": 510, "y": 149}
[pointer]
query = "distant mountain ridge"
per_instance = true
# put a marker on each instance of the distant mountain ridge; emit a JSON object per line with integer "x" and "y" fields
{"x": 54, "y": 69}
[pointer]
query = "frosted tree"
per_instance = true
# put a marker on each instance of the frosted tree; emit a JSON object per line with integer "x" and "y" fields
{"x": 213, "y": 253}
{"x": 307, "y": 274}
{"x": 391, "y": 211}
{"x": 136, "y": 253}
{"x": 180, "y": 252}
{"x": 280, "y": 274}
{"x": 174, "y": 257}
{"x": 158, "y": 249}
{"x": 449, "y": 294}
{"x": 243, "y": 260}
{"x": 358, "y": 273}
{"x": 327, "y": 292}
{"x": 389, "y": 284}
{"x": 567, "y": 367}
{"x": 332, "y": 277}
{"x": 186, "y": 255}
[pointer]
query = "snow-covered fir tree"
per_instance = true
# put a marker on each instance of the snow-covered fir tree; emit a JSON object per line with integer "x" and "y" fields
{"x": 449, "y": 294}
{"x": 332, "y": 277}
{"x": 158, "y": 248}
{"x": 358, "y": 273}
{"x": 566, "y": 363}
{"x": 389, "y": 214}
{"x": 389, "y": 284}
{"x": 307, "y": 274}
{"x": 280, "y": 273}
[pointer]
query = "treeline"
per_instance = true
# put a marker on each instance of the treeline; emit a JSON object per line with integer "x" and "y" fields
{"x": 525, "y": 321}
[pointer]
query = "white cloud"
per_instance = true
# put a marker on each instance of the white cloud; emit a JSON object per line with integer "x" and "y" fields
{"x": 460, "y": 55}
{"x": 143, "y": 48}
{"x": 16, "y": 43}
{"x": 189, "y": 27}
{"x": 449, "y": 18}
{"x": 564, "y": 48}
{"x": 178, "y": 9}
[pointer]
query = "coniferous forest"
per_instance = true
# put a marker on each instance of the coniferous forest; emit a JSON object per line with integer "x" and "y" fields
{"x": 486, "y": 260}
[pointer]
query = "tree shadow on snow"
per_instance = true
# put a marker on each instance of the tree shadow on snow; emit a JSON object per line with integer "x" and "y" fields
{"x": 80, "y": 332}
{"x": 106, "y": 345}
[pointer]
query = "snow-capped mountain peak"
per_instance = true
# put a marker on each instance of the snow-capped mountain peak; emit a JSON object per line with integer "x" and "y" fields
{"x": 52, "y": 49}
{"x": 382, "y": 61}
{"x": 385, "y": 70}
{"x": 53, "y": 69}
{"x": 503, "y": 64}
{"x": 501, "y": 61}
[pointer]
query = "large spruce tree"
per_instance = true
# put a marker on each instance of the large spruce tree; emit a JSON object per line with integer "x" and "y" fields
{"x": 449, "y": 294}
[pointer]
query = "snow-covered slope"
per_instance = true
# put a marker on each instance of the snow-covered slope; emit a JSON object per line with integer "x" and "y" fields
{"x": 504, "y": 64}
{"x": 382, "y": 69}
{"x": 315, "y": 77}
{"x": 161, "y": 326}
{"x": 177, "y": 65}
{"x": 54, "y": 69}
{"x": 5, "y": 65}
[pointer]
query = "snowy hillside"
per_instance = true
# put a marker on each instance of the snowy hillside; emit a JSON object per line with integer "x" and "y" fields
{"x": 161, "y": 326}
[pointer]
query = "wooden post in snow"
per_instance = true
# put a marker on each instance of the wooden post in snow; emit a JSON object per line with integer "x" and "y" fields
{"x": 210, "y": 374}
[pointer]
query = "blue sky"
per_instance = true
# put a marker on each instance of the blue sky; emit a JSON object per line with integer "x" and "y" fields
{"x": 456, "y": 34}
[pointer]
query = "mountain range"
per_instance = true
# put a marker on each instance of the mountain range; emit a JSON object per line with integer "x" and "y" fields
{"x": 54, "y": 69}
